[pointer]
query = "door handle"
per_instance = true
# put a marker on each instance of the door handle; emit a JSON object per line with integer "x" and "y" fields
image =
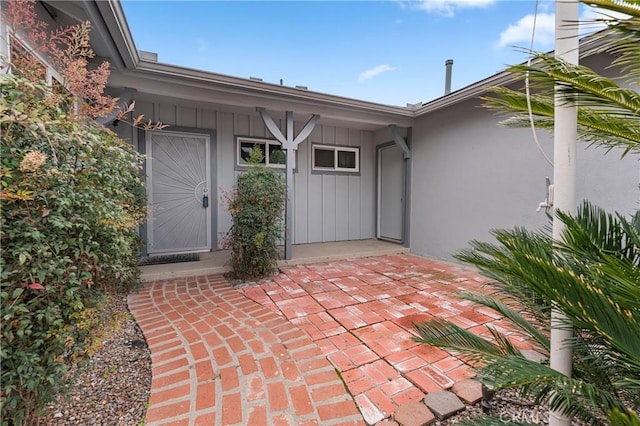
{"x": 205, "y": 198}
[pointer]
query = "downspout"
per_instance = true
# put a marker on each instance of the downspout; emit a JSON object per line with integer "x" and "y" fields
{"x": 405, "y": 145}
{"x": 407, "y": 192}
{"x": 447, "y": 80}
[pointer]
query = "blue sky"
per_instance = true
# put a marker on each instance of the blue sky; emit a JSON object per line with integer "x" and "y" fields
{"x": 391, "y": 52}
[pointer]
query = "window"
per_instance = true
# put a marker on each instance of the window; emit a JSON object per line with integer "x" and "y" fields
{"x": 336, "y": 158}
{"x": 274, "y": 155}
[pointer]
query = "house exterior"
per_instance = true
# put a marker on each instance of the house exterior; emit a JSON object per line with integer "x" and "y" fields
{"x": 430, "y": 176}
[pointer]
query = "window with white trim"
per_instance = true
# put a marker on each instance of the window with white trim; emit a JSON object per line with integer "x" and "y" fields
{"x": 272, "y": 152}
{"x": 335, "y": 158}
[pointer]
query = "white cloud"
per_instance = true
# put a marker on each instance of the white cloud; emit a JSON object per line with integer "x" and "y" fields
{"x": 449, "y": 7}
{"x": 370, "y": 73}
{"x": 519, "y": 34}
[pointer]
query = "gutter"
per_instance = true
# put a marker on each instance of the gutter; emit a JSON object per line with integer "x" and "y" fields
{"x": 239, "y": 85}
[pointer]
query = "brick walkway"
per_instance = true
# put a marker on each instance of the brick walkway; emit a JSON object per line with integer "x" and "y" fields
{"x": 219, "y": 358}
{"x": 268, "y": 354}
{"x": 360, "y": 313}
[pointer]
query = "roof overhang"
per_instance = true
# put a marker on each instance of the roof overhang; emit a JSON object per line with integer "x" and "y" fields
{"x": 589, "y": 46}
{"x": 111, "y": 38}
{"x": 232, "y": 93}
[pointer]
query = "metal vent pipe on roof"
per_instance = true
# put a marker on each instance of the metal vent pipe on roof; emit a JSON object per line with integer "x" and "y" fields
{"x": 447, "y": 81}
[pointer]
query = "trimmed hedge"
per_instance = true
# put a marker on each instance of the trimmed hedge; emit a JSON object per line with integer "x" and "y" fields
{"x": 256, "y": 206}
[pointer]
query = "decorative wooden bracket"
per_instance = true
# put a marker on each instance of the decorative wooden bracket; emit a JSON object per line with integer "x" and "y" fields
{"x": 400, "y": 141}
{"x": 290, "y": 143}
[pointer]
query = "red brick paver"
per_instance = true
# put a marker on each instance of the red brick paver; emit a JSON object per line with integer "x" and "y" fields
{"x": 361, "y": 312}
{"x": 268, "y": 354}
{"x": 219, "y": 358}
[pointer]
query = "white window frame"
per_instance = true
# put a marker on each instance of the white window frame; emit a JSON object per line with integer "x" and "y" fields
{"x": 336, "y": 149}
{"x": 260, "y": 141}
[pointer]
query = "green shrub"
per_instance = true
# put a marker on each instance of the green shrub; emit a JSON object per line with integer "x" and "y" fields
{"x": 71, "y": 198}
{"x": 256, "y": 207}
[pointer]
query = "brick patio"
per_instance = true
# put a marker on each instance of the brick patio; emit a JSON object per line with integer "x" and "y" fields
{"x": 360, "y": 313}
{"x": 268, "y": 354}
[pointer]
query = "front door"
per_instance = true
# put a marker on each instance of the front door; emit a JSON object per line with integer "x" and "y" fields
{"x": 390, "y": 193}
{"x": 179, "y": 192}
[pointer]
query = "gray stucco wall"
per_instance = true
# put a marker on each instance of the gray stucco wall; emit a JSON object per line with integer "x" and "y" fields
{"x": 471, "y": 177}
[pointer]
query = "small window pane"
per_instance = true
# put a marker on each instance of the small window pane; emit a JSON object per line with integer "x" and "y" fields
{"x": 245, "y": 151}
{"x": 324, "y": 158}
{"x": 277, "y": 155}
{"x": 346, "y": 159}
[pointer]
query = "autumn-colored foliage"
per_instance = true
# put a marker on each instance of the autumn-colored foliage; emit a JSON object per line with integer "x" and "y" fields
{"x": 77, "y": 83}
{"x": 71, "y": 196}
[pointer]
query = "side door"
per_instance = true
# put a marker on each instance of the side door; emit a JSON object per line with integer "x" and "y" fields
{"x": 390, "y": 193}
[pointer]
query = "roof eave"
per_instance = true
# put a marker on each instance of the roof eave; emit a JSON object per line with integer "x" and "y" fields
{"x": 110, "y": 18}
{"x": 237, "y": 84}
{"x": 589, "y": 46}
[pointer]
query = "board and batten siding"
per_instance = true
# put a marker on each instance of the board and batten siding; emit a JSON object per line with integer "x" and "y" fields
{"x": 334, "y": 207}
{"x": 327, "y": 207}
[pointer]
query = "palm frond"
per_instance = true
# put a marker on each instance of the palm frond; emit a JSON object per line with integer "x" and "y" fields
{"x": 509, "y": 100}
{"x": 572, "y": 397}
{"x": 581, "y": 85}
{"x": 603, "y": 128}
{"x": 446, "y": 335}
{"x": 590, "y": 277}
{"x": 491, "y": 421}
{"x": 631, "y": 8}
{"x": 625, "y": 41}
{"x": 515, "y": 317}
{"x": 609, "y": 131}
{"x": 520, "y": 121}
{"x": 623, "y": 418}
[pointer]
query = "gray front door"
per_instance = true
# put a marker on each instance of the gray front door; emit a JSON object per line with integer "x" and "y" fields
{"x": 390, "y": 193}
{"x": 179, "y": 192}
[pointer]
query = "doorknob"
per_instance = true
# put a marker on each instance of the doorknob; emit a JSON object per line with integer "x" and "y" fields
{"x": 205, "y": 198}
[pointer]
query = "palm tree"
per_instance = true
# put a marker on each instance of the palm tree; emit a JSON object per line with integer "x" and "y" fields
{"x": 592, "y": 274}
{"x": 608, "y": 112}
